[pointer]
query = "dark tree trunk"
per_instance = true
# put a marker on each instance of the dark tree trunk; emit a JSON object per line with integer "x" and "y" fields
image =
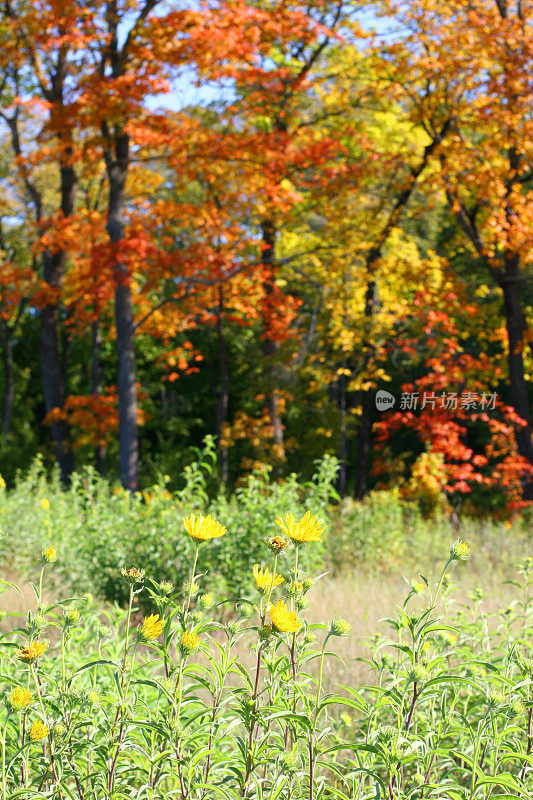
{"x": 223, "y": 394}
{"x": 343, "y": 439}
{"x": 364, "y": 434}
{"x": 117, "y": 168}
{"x": 518, "y": 392}
{"x": 363, "y": 445}
{"x": 9, "y": 377}
{"x": 99, "y": 452}
{"x": 270, "y": 346}
{"x": 51, "y": 365}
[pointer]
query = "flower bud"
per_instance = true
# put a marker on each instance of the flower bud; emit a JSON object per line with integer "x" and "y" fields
{"x": 59, "y": 731}
{"x": 71, "y": 615}
{"x": 340, "y": 627}
{"x": 133, "y": 575}
{"x": 206, "y": 601}
{"x": 93, "y": 697}
{"x": 459, "y": 550}
{"x": 233, "y": 626}
{"x": 289, "y": 762}
{"x": 418, "y": 673}
{"x": 277, "y": 545}
{"x": 387, "y": 733}
{"x": 190, "y": 588}
{"x": 264, "y": 632}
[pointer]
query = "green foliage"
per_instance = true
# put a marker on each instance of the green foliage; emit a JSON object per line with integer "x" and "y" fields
{"x": 98, "y": 529}
{"x": 370, "y": 532}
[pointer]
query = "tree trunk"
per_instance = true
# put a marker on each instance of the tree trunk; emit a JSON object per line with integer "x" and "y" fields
{"x": 367, "y": 406}
{"x": 343, "y": 439}
{"x": 270, "y": 346}
{"x": 117, "y": 167}
{"x": 9, "y": 377}
{"x": 363, "y": 445}
{"x": 518, "y": 392}
{"x": 223, "y": 394}
{"x": 54, "y": 265}
{"x": 99, "y": 452}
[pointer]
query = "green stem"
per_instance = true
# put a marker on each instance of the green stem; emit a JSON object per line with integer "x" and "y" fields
{"x": 4, "y": 776}
{"x": 63, "y": 676}
{"x": 270, "y": 590}
{"x": 126, "y": 643}
{"x": 434, "y": 603}
{"x": 191, "y": 582}
{"x": 39, "y": 600}
{"x": 180, "y": 676}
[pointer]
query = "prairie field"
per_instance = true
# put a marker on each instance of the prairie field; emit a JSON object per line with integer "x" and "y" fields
{"x": 323, "y": 652}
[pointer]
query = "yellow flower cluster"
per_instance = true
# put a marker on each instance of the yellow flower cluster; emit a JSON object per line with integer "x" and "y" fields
{"x": 38, "y": 731}
{"x": 283, "y": 620}
{"x": 308, "y": 529}
{"x": 152, "y": 627}
{"x": 31, "y": 652}
{"x": 203, "y": 528}
{"x": 20, "y": 699}
{"x": 190, "y": 642}
{"x": 49, "y": 555}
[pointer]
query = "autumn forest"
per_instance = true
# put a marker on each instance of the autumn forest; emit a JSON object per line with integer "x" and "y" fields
{"x": 298, "y": 228}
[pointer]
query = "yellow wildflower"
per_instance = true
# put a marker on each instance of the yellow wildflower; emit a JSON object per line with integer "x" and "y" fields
{"x": 49, "y": 555}
{"x": 308, "y": 529}
{"x": 203, "y": 528}
{"x": 283, "y": 620}
{"x": 264, "y": 580}
{"x": 20, "y": 699}
{"x": 38, "y": 731}
{"x": 189, "y": 643}
{"x": 45, "y": 504}
{"x": 31, "y": 652}
{"x": 152, "y": 627}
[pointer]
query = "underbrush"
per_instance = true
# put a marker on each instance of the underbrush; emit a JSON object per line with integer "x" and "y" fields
{"x": 106, "y": 702}
{"x": 97, "y": 528}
